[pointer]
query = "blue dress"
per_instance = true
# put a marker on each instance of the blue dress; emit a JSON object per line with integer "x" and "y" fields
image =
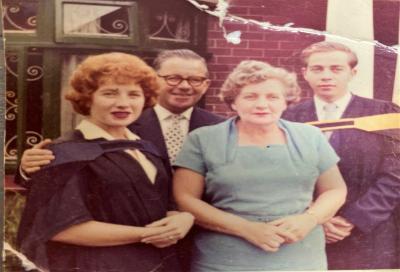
{"x": 259, "y": 184}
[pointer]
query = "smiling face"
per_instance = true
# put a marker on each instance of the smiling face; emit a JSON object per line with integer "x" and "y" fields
{"x": 261, "y": 103}
{"x": 115, "y": 106}
{"x": 181, "y": 97}
{"x": 329, "y": 74}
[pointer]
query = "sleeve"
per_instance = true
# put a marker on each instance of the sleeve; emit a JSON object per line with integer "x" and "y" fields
{"x": 191, "y": 155}
{"x": 378, "y": 203}
{"x": 327, "y": 156}
{"x": 54, "y": 204}
{"x": 21, "y": 178}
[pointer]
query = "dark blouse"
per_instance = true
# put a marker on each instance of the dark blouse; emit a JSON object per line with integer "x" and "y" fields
{"x": 95, "y": 180}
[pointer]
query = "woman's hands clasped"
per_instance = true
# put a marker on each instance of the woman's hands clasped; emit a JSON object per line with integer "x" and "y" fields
{"x": 168, "y": 230}
{"x": 271, "y": 235}
{"x": 298, "y": 225}
{"x": 266, "y": 236}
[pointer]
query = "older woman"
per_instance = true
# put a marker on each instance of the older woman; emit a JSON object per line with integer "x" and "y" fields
{"x": 257, "y": 174}
{"x": 107, "y": 191}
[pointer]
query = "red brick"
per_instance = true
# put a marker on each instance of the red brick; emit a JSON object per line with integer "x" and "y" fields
{"x": 292, "y": 60}
{"x": 248, "y": 3}
{"x": 264, "y": 44}
{"x": 256, "y": 17}
{"x": 212, "y": 91}
{"x": 278, "y": 53}
{"x": 210, "y": 43}
{"x": 229, "y": 60}
{"x": 213, "y": 100}
{"x": 279, "y": 35}
{"x": 221, "y": 52}
{"x": 247, "y": 52}
{"x": 253, "y": 36}
{"x": 239, "y": 11}
{"x": 218, "y": 67}
{"x": 255, "y": 28}
{"x": 293, "y": 45}
{"x": 272, "y": 61}
{"x": 215, "y": 34}
{"x": 224, "y": 43}
{"x": 221, "y": 108}
{"x": 230, "y": 27}
{"x": 220, "y": 75}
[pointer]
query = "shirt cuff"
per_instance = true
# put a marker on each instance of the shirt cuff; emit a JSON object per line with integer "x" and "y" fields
{"x": 23, "y": 174}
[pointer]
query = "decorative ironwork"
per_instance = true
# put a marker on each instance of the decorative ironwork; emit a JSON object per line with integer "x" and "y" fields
{"x": 32, "y": 138}
{"x": 32, "y": 99}
{"x": 120, "y": 25}
{"x": 167, "y": 26}
{"x": 20, "y": 16}
{"x": 11, "y": 105}
{"x": 34, "y": 72}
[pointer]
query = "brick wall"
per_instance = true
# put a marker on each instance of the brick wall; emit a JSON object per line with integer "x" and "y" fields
{"x": 277, "y": 48}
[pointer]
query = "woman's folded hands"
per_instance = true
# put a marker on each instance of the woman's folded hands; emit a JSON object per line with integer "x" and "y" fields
{"x": 168, "y": 230}
{"x": 271, "y": 235}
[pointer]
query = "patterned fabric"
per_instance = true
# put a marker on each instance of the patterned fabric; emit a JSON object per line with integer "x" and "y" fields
{"x": 174, "y": 137}
{"x": 330, "y": 110}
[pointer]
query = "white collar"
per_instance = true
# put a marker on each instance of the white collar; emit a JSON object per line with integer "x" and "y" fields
{"x": 91, "y": 131}
{"x": 163, "y": 113}
{"x": 341, "y": 102}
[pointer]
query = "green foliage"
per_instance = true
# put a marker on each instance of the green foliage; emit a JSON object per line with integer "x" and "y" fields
{"x": 13, "y": 207}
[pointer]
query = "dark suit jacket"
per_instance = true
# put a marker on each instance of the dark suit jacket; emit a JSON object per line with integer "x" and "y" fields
{"x": 148, "y": 127}
{"x": 370, "y": 165}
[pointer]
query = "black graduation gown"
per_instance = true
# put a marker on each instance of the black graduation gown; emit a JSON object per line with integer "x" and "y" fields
{"x": 95, "y": 180}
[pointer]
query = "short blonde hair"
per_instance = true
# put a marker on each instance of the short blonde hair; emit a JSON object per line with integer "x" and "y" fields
{"x": 113, "y": 67}
{"x": 251, "y": 72}
{"x": 325, "y": 46}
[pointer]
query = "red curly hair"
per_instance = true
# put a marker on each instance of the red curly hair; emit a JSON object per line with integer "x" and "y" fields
{"x": 117, "y": 68}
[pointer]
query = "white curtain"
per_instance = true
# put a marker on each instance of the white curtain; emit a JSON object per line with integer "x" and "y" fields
{"x": 84, "y": 18}
{"x": 69, "y": 119}
{"x": 351, "y": 22}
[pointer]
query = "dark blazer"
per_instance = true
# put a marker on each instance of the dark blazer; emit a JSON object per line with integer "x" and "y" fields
{"x": 370, "y": 165}
{"x": 148, "y": 127}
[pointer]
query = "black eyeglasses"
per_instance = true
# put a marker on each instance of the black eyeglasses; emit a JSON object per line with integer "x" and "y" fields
{"x": 175, "y": 80}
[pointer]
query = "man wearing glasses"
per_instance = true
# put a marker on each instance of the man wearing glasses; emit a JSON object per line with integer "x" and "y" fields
{"x": 183, "y": 81}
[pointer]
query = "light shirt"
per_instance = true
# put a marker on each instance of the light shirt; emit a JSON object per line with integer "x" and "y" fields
{"x": 91, "y": 131}
{"x": 164, "y": 115}
{"x": 341, "y": 103}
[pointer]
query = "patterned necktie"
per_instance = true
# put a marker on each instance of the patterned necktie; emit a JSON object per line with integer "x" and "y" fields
{"x": 174, "y": 137}
{"x": 330, "y": 110}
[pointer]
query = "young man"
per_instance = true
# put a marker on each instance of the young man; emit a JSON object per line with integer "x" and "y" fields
{"x": 365, "y": 232}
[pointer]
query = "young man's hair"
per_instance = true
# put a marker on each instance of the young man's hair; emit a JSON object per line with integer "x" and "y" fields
{"x": 326, "y": 46}
{"x": 177, "y": 53}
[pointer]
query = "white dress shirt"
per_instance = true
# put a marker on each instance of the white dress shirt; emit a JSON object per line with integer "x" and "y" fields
{"x": 163, "y": 116}
{"x": 341, "y": 103}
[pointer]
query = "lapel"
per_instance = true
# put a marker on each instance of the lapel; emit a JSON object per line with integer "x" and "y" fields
{"x": 307, "y": 113}
{"x": 148, "y": 128}
{"x": 354, "y": 109}
{"x": 196, "y": 119}
{"x": 342, "y": 139}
